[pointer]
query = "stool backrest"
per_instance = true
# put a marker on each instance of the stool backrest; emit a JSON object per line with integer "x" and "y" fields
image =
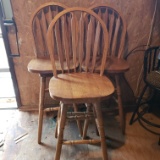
{"x": 116, "y": 27}
{"x": 40, "y": 21}
{"x": 76, "y": 41}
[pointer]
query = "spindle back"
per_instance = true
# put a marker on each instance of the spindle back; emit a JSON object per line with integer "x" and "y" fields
{"x": 77, "y": 41}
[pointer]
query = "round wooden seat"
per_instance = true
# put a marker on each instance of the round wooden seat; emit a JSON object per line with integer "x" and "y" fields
{"x": 80, "y": 86}
{"x": 116, "y": 65}
{"x": 42, "y": 66}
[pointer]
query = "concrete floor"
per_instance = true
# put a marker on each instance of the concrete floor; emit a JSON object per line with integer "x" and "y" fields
{"x": 137, "y": 144}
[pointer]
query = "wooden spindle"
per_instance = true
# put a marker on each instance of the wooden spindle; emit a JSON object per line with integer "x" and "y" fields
{"x": 51, "y": 43}
{"x": 65, "y": 41}
{"x": 74, "y": 39}
{"x": 59, "y": 45}
{"x": 115, "y": 37}
{"x": 81, "y": 40}
{"x": 96, "y": 44}
{"x": 44, "y": 30}
{"x": 39, "y": 41}
{"x": 105, "y": 17}
{"x": 49, "y": 19}
{"x": 111, "y": 27}
{"x": 88, "y": 44}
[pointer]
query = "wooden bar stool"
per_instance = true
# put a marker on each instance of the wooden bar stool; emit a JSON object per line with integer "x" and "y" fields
{"x": 41, "y": 64}
{"x": 115, "y": 64}
{"x": 77, "y": 39}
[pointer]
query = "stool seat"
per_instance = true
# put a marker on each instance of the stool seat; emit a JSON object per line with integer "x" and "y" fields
{"x": 80, "y": 86}
{"x": 44, "y": 66}
{"x": 116, "y": 65}
{"x": 41, "y": 66}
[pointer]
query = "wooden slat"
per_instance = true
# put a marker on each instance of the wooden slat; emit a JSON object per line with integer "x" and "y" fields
{"x": 69, "y": 34}
{"x": 59, "y": 44}
{"x": 123, "y": 38}
{"x": 51, "y": 43}
{"x": 39, "y": 41}
{"x": 105, "y": 17}
{"x": 115, "y": 37}
{"x": 44, "y": 29}
{"x": 111, "y": 26}
{"x": 93, "y": 31}
{"x": 81, "y": 40}
{"x": 55, "y": 11}
{"x": 49, "y": 16}
{"x": 96, "y": 45}
{"x": 100, "y": 48}
{"x": 88, "y": 44}
{"x": 65, "y": 41}
{"x": 99, "y": 13}
{"x": 74, "y": 28}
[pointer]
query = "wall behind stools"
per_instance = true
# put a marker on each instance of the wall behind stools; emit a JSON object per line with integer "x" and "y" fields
{"x": 138, "y": 15}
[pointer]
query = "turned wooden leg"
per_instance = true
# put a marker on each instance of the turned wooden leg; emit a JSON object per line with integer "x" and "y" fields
{"x": 78, "y": 121}
{"x": 41, "y": 106}
{"x": 120, "y": 107}
{"x": 61, "y": 124}
{"x": 100, "y": 126}
{"x": 58, "y": 117}
{"x": 86, "y": 122}
{"x": 96, "y": 129}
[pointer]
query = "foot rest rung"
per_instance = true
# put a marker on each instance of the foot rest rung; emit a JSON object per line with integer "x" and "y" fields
{"x": 90, "y": 141}
{"x": 51, "y": 109}
{"x": 79, "y": 115}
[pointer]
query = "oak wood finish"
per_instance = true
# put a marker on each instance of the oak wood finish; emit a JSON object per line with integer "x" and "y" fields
{"x": 115, "y": 64}
{"x": 78, "y": 86}
{"x": 41, "y": 65}
{"x": 40, "y": 21}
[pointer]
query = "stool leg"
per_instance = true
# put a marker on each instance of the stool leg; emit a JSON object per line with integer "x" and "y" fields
{"x": 61, "y": 124}
{"x": 138, "y": 105}
{"x": 41, "y": 106}
{"x": 100, "y": 127}
{"x": 96, "y": 129}
{"x": 78, "y": 121}
{"x": 56, "y": 129}
{"x": 86, "y": 122}
{"x": 120, "y": 107}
